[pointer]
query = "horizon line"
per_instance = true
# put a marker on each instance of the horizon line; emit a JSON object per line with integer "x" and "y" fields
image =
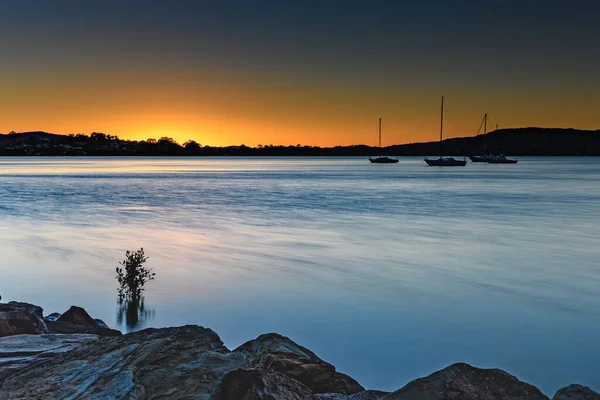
{"x": 116, "y": 137}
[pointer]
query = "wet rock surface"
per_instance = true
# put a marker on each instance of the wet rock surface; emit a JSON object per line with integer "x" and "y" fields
{"x": 464, "y": 382}
{"x": 576, "y": 392}
{"x": 20, "y": 351}
{"x": 259, "y": 383}
{"x": 21, "y": 318}
{"x": 279, "y": 353}
{"x": 186, "y": 362}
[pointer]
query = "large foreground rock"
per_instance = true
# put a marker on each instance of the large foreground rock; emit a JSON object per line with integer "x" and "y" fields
{"x": 186, "y": 362}
{"x": 77, "y": 320}
{"x": 259, "y": 384}
{"x": 279, "y": 353}
{"x": 21, "y": 318}
{"x": 464, "y": 382}
{"x": 191, "y": 362}
{"x": 576, "y": 392}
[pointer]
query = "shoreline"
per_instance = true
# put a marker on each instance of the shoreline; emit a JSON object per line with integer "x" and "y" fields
{"x": 515, "y": 142}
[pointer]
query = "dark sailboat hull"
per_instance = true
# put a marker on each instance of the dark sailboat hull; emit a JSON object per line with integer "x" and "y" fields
{"x": 479, "y": 158}
{"x": 445, "y": 162}
{"x": 383, "y": 160}
{"x": 502, "y": 161}
{"x": 493, "y": 159}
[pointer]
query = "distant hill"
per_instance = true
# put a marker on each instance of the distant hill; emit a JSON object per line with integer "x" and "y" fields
{"x": 516, "y": 142}
{"x": 15, "y": 137}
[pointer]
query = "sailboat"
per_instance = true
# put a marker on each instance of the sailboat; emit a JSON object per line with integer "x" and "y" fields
{"x": 444, "y": 161}
{"x": 484, "y": 157}
{"x": 382, "y": 159}
{"x": 491, "y": 158}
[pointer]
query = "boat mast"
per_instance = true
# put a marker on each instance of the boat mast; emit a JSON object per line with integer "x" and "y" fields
{"x": 441, "y": 125}
{"x": 485, "y": 124}
{"x": 380, "y": 134}
{"x": 484, "y": 130}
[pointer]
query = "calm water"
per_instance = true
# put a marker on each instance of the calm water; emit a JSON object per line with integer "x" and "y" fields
{"x": 387, "y": 271}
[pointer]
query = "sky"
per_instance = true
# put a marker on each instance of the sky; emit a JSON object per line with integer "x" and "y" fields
{"x": 297, "y": 72}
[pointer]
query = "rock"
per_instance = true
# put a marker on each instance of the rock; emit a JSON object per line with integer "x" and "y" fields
{"x": 77, "y": 320}
{"x": 19, "y": 351}
{"x": 274, "y": 342}
{"x": 101, "y": 323}
{"x": 21, "y": 318}
{"x": 52, "y": 317}
{"x": 185, "y": 362}
{"x": 78, "y": 316}
{"x": 191, "y": 362}
{"x": 318, "y": 375}
{"x": 281, "y": 354}
{"x": 365, "y": 395}
{"x": 576, "y": 392}
{"x": 259, "y": 384}
{"x": 464, "y": 382}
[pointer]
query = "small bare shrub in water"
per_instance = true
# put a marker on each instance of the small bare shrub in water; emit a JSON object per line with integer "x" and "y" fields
{"x": 132, "y": 275}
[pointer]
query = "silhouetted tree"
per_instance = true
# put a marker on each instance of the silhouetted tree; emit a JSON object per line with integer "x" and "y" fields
{"x": 133, "y": 275}
{"x": 166, "y": 140}
{"x": 191, "y": 144}
{"x": 192, "y": 147}
{"x": 98, "y": 136}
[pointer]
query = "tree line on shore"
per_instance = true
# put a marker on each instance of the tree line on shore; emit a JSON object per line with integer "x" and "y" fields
{"x": 518, "y": 141}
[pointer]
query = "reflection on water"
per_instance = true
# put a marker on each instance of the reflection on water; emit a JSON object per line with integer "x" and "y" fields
{"x": 135, "y": 314}
{"x": 387, "y": 271}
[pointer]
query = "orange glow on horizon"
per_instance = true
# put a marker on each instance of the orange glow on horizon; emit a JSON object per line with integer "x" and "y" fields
{"x": 221, "y": 110}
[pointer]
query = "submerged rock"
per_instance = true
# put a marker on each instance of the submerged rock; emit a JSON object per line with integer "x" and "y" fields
{"x": 21, "y": 318}
{"x": 464, "y": 382}
{"x": 185, "y": 362}
{"x": 77, "y": 320}
{"x": 279, "y": 353}
{"x": 576, "y": 392}
{"x": 259, "y": 384}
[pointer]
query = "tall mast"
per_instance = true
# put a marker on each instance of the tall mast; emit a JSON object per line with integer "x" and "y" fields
{"x": 380, "y": 133}
{"x": 484, "y": 130}
{"x": 485, "y": 124}
{"x": 441, "y": 126}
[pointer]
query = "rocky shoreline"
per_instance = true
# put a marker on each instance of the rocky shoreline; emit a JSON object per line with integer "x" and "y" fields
{"x": 75, "y": 356}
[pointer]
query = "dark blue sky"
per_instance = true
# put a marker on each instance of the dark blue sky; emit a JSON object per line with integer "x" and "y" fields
{"x": 312, "y": 32}
{"x": 465, "y": 48}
